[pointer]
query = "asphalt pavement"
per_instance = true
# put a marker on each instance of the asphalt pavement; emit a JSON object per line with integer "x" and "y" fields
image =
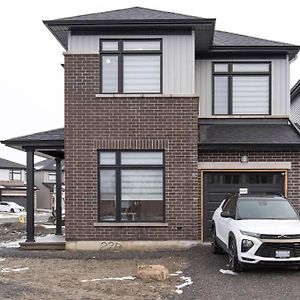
{"x": 254, "y": 283}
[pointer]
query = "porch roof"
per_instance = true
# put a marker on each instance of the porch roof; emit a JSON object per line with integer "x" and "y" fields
{"x": 48, "y": 143}
{"x": 248, "y": 134}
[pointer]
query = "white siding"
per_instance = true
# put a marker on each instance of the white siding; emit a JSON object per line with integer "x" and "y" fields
{"x": 4, "y": 174}
{"x": 295, "y": 110}
{"x": 203, "y": 86}
{"x": 280, "y": 86}
{"x": 178, "y": 58}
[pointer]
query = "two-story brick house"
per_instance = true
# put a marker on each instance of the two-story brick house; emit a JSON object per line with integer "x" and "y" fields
{"x": 164, "y": 115}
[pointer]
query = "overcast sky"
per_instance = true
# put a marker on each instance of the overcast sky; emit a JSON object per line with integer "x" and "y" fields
{"x": 31, "y": 76}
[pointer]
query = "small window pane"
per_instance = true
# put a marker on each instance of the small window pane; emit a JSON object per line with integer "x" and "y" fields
{"x": 221, "y": 67}
{"x": 220, "y": 95}
{"x": 146, "y": 185}
{"x": 250, "y": 95}
{"x": 109, "y": 74}
{"x": 107, "y": 158}
{"x": 107, "y": 195}
{"x": 250, "y": 67}
{"x": 141, "y": 45}
{"x": 141, "y": 73}
{"x": 52, "y": 176}
{"x": 109, "y": 46}
{"x": 142, "y": 211}
{"x": 141, "y": 158}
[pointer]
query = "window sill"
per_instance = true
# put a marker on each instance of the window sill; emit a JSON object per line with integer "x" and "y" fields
{"x": 130, "y": 224}
{"x": 145, "y": 95}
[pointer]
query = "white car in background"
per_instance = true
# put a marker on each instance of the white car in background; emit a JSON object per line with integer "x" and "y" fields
{"x": 257, "y": 230}
{"x": 11, "y": 207}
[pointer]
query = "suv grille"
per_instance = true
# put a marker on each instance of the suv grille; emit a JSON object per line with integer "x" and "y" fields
{"x": 280, "y": 236}
{"x": 269, "y": 249}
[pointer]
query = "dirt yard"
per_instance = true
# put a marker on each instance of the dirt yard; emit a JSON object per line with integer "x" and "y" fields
{"x": 17, "y": 231}
{"x": 64, "y": 275}
{"x": 35, "y": 278}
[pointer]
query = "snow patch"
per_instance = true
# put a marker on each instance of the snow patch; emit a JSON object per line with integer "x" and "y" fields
{"x": 228, "y": 272}
{"x": 11, "y": 244}
{"x": 109, "y": 278}
{"x": 176, "y": 273}
{"x": 8, "y": 270}
{"x": 187, "y": 281}
{"x": 2, "y": 259}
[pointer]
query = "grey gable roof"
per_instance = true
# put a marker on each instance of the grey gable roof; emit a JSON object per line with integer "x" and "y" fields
{"x": 47, "y": 165}
{"x": 8, "y": 164}
{"x": 132, "y": 13}
{"x": 223, "y": 38}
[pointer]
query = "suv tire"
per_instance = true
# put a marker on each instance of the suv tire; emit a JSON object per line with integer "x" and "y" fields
{"x": 234, "y": 264}
{"x": 215, "y": 248}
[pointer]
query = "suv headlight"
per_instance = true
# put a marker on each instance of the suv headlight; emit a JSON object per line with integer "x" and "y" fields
{"x": 248, "y": 233}
{"x": 246, "y": 245}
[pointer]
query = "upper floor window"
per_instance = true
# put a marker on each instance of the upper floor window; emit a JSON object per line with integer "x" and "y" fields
{"x": 242, "y": 88}
{"x": 15, "y": 175}
{"x": 131, "y": 66}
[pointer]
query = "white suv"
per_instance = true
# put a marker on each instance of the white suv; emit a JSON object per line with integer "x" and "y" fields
{"x": 257, "y": 229}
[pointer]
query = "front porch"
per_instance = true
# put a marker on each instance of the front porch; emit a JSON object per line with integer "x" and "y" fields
{"x": 48, "y": 144}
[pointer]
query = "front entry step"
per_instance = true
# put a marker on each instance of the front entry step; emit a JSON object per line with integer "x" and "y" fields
{"x": 42, "y": 245}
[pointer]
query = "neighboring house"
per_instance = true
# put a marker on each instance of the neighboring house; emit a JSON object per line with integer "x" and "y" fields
{"x": 295, "y": 103}
{"x": 44, "y": 178}
{"x": 165, "y": 116}
{"x": 12, "y": 182}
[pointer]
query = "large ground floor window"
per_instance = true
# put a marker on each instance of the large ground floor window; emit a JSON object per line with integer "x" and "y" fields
{"x": 131, "y": 186}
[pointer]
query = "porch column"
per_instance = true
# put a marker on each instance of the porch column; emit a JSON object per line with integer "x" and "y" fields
{"x": 58, "y": 197}
{"x": 30, "y": 196}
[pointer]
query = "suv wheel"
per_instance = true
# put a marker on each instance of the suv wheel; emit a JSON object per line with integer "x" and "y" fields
{"x": 12, "y": 210}
{"x": 234, "y": 264}
{"x": 216, "y": 249}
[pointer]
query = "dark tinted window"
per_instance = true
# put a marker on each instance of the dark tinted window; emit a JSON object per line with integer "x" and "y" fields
{"x": 265, "y": 209}
{"x": 230, "y": 205}
{"x": 263, "y": 178}
{"x": 223, "y": 178}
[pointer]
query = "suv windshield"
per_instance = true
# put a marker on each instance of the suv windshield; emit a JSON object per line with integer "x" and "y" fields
{"x": 265, "y": 209}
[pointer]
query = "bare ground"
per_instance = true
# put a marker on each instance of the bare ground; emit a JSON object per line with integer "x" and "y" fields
{"x": 17, "y": 231}
{"x": 58, "y": 274}
{"x": 61, "y": 279}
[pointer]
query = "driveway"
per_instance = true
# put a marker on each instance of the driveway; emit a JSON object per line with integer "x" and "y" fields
{"x": 209, "y": 283}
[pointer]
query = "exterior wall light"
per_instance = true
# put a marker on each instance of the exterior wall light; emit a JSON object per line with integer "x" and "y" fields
{"x": 244, "y": 158}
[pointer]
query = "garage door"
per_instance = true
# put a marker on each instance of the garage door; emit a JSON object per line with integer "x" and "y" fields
{"x": 217, "y": 186}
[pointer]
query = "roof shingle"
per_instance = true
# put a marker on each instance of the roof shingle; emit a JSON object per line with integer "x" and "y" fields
{"x": 132, "y": 13}
{"x": 223, "y": 38}
{"x": 8, "y": 164}
{"x": 251, "y": 133}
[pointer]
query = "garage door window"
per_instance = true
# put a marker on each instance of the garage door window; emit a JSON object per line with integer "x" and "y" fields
{"x": 131, "y": 186}
{"x": 223, "y": 178}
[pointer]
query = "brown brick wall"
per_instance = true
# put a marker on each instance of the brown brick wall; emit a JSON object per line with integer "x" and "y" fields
{"x": 93, "y": 123}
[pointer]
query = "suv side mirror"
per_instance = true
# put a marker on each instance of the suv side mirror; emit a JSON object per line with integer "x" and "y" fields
{"x": 226, "y": 214}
